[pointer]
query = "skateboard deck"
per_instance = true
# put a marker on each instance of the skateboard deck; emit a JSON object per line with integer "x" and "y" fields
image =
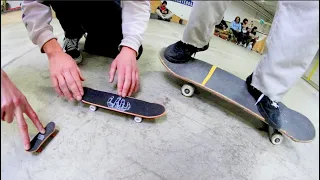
{"x": 127, "y": 105}
{"x": 40, "y": 139}
{"x": 234, "y": 90}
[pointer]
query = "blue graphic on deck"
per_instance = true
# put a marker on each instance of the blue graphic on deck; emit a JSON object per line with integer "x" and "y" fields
{"x": 119, "y": 104}
{"x": 184, "y": 2}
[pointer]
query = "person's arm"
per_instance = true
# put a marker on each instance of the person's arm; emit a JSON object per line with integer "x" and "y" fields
{"x": 169, "y": 15}
{"x": 36, "y": 18}
{"x": 224, "y": 23}
{"x": 65, "y": 74}
{"x": 233, "y": 25}
{"x": 135, "y": 18}
{"x": 239, "y": 27}
{"x": 159, "y": 13}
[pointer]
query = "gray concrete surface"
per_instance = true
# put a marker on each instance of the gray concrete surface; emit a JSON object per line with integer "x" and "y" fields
{"x": 199, "y": 138}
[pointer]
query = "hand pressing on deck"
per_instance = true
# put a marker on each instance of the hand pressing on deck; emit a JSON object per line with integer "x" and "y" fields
{"x": 125, "y": 64}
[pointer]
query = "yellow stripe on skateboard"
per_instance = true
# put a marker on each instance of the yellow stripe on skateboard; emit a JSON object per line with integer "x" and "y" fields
{"x": 204, "y": 82}
{"x": 314, "y": 68}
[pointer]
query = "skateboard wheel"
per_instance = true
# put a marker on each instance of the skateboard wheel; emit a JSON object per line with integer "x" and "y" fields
{"x": 54, "y": 134}
{"x": 92, "y": 108}
{"x": 276, "y": 139}
{"x": 137, "y": 119}
{"x": 275, "y": 136}
{"x": 187, "y": 90}
{"x": 39, "y": 150}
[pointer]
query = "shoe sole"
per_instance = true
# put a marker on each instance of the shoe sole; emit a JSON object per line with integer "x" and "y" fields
{"x": 79, "y": 59}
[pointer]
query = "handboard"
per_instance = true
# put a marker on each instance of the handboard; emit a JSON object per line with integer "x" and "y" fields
{"x": 233, "y": 89}
{"x": 125, "y": 105}
{"x": 39, "y": 139}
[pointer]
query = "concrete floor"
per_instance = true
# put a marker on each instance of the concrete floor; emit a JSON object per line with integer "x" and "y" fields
{"x": 198, "y": 138}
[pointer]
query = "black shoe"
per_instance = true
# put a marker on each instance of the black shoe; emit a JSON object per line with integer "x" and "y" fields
{"x": 180, "y": 52}
{"x": 267, "y": 108}
{"x": 70, "y": 46}
{"x": 204, "y": 48}
{"x": 255, "y": 93}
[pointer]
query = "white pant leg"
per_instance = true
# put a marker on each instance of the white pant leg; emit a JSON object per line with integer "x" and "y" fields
{"x": 203, "y": 18}
{"x": 292, "y": 43}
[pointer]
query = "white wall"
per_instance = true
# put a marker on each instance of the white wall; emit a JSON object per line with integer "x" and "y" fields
{"x": 182, "y": 8}
{"x": 14, "y": 4}
{"x": 238, "y": 8}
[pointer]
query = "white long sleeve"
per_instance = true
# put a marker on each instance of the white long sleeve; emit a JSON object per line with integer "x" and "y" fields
{"x": 135, "y": 18}
{"x": 37, "y": 17}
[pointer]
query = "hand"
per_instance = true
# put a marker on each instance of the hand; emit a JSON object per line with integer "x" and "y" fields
{"x": 14, "y": 103}
{"x": 65, "y": 75}
{"x": 128, "y": 75}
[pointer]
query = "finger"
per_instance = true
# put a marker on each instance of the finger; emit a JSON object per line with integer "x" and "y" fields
{"x": 138, "y": 82}
{"x": 80, "y": 74}
{"x": 34, "y": 118}
{"x": 9, "y": 114}
{"x": 23, "y": 128}
{"x": 112, "y": 71}
{"x": 55, "y": 84}
{"x": 82, "y": 79}
{"x": 76, "y": 78}
{"x": 133, "y": 83}
{"x": 127, "y": 82}
{"x": 71, "y": 84}
{"x": 63, "y": 87}
{"x": 121, "y": 74}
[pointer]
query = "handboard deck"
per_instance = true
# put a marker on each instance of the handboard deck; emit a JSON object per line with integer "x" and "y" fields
{"x": 233, "y": 89}
{"x": 39, "y": 139}
{"x": 125, "y": 105}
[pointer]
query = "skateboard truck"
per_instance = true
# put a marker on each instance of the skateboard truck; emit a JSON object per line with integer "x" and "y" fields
{"x": 136, "y": 118}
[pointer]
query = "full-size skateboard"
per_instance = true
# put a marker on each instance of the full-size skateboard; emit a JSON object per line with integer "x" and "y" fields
{"x": 234, "y": 90}
{"x": 135, "y": 107}
{"x": 37, "y": 141}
